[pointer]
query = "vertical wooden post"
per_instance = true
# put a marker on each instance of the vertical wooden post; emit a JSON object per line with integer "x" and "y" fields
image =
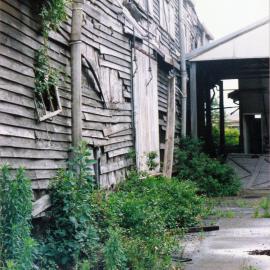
{"x": 208, "y": 133}
{"x": 193, "y": 100}
{"x": 221, "y": 119}
{"x": 170, "y": 130}
{"x": 76, "y": 71}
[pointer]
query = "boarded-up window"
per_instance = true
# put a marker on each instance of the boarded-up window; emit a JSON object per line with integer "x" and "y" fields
{"x": 167, "y": 16}
{"x": 146, "y": 110}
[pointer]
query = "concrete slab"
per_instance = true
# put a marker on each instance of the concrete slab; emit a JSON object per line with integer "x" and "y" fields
{"x": 227, "y": 249}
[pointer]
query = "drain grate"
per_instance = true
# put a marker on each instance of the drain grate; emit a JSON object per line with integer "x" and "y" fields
{"x": 260, "y": 252}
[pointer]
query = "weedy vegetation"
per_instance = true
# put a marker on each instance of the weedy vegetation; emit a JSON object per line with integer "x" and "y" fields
{"x": 263, "y": 210}
{"x": 212, "y": 177}
{"x": 16, "y": 244}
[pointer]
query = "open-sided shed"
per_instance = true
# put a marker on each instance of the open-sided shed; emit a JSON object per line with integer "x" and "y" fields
{"x": 243, "y": 55}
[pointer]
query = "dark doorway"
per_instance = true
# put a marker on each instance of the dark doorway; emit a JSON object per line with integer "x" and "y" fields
{"x": 253, "y": 134}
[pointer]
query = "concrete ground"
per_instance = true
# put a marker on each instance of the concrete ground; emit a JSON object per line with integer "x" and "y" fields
{"x": 227, "y": 249}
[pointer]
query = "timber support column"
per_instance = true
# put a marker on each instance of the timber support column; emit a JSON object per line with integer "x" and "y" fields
{"x": 76, "y": 71}
{"x": 170, "y": 129}
{"x": 193, "y": 100}
{"x": 221, "y": 119}
{"x": 208, "y": 133}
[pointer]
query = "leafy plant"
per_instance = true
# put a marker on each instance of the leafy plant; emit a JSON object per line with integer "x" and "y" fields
{"x": 46, "y": 77}
{"x": 211, "y": 176}
{"x": 264, "y": 205}
{"x": 151, "y": 160}
{"x": 16, "y": 244}
{"x": 53, "y": 13}
{"x": 132, "y": 156}
{"x": 72, "y": 234}
{"x": 146, "y": 212}
{"x": 114, "y": 254}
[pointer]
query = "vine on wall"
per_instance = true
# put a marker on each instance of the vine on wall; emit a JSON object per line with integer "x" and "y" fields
{"x": 53, "y": 14}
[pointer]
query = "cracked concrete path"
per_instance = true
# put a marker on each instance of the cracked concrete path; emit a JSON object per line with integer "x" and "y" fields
{"x": 227, "y": 249}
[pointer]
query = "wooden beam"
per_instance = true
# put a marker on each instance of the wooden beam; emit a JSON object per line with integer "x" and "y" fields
{"x": 193, "y": 100}
{"x": 221, "y": 119}
{"x": 170, "y": 130}
{"x": 208, "y": 133}
{"x": 41, "y": 205}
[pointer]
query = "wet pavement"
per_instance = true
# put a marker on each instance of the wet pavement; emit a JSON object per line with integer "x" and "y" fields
{"x": 228, "y": 248}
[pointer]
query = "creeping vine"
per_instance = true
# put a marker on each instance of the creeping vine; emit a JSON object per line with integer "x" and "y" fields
{"x": 53, "y": 13}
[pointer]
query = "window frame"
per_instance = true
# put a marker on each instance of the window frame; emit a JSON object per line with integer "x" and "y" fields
{"x": 42, "y": 113}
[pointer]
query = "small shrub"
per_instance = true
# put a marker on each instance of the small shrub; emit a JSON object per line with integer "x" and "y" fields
{"x": 72, "y": 234}
{"x": 151, "y": 160}
{"x": 146, "y": 211}
{"x": 114, "y": 254}
{"x": 264, "y": 205}
{"x": 53, "y": 13}
{"x": 211, "y": 176}
{"x": 16, "y": 244}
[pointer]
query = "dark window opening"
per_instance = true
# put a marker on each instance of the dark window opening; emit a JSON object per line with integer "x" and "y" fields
{"x": 48, "y": 103}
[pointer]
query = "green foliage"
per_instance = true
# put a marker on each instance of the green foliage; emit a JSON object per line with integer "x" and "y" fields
{"x": 53, "y": 13}
{"x": 114, "y": 254}
{"x": 151, "y": 160}
{"x": 16, "y": 244}
{"x": 132, "y": 155}
{"x": 72, "y": 234}
{"x": 211, "y": 176}
{"x": 85, "y": 265}
{"x": 264, "y": 205}
{"x": 146, "y": 212}
{"x": 231, "y": 136}
{"x": 46, "y": 77}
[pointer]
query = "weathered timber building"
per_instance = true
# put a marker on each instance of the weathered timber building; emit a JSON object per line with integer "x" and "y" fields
{"x": 130, "y": 67}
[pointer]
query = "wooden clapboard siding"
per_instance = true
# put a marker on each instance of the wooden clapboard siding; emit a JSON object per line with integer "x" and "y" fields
{"x": 42, "y": 148}
{"x": 110, "y": 57}
{"x": 107, "y": 110}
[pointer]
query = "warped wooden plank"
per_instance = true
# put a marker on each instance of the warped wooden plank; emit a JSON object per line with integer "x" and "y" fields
{"x": 116, "y": 146}
{"x": 30, "y": 143}
{"x": 115, "y": 129}
{"x": 41, "y": 205}
{"x": 16, "y": 132}
{"x": 104, "y": 119}
{"x": 119, "y": 152}
{"x": 44, "y": 164}
{"x": 122, "y": 133}
{"x": 93, "y": 134}
{"x": 10, "y": 152}
{"x": 108, "y": 51}
{"x": 114, "y": 166}
{"x": 22, "y": 122}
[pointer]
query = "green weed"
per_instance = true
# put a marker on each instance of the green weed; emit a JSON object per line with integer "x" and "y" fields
{"x": 212, "y": 177}
{"x": 16, "y": 243}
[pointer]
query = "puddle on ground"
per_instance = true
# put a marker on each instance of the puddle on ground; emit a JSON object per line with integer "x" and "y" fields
{"x": 259, "y": 252}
